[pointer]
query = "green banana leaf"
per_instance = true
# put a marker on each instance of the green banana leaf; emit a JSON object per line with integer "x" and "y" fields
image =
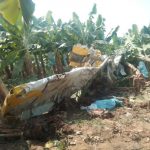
{"x": 17, "y": 12}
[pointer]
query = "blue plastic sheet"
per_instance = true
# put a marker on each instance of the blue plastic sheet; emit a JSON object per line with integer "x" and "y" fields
{"x": 108, "y": 104}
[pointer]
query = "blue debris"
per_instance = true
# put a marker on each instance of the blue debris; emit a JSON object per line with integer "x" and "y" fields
{"x": 143, "y": 69}
{"x": 108, "y": 104}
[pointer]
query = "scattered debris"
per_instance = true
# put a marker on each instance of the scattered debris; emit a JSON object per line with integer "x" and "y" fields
{"x": 70, "y": 136}
{"x": 104, "y": 114}
{"x": 49, "y": 144}
{"x": 143, "y": 69}
{"x": 82, "y": 56}
{"x": 92, "y": 139}
{"x": 36, "y": 147}
{"x": 128, "y": 115}
{"x": 108, "y": 104}
{"x": 72, "y": 143}
{"x": 145, "y": 105}
{"x": 78, "y": 132}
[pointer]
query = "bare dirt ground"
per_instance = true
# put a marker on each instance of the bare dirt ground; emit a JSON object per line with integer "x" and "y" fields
{"x": 129, "y": 129}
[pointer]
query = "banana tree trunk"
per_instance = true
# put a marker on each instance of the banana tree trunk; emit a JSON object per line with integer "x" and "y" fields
{"x": 39, "y": 72}
{"x": 42, "y": 65}
{"x": 28, "y": 66}
{"x": 59, "y": 65}
{"x": 8, "y": 72}
{"x": 11, "y": 67}
{"x": 3, "y": 91}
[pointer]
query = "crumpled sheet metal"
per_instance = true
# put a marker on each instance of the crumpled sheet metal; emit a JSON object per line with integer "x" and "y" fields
{"x": 81, "y": 56}
{"x": 38, "y": 97}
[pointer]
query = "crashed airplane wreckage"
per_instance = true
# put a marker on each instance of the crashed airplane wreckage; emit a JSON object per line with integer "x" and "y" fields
{"x": 39, "y": 97}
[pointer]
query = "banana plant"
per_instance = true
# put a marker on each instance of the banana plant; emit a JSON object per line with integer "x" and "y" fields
{"x": 17, "y": 12}
{"x": 136, "y": 43}
{"x": 17, "y": 26}
{"x": 46, "y": 41}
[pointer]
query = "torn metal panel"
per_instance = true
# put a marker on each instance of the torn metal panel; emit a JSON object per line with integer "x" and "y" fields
{"x": 37, "y": 97}
{"x": 81, "y": 56}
